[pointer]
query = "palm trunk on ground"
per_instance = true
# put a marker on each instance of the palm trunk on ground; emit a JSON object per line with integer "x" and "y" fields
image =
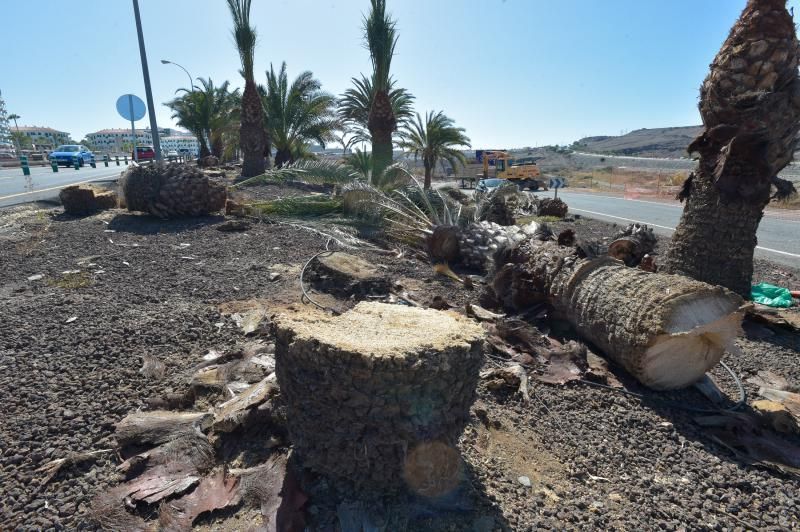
{"x": 252, "y": 136}
{"x": 382, "y": 123}
{"x": 750, "y": 105}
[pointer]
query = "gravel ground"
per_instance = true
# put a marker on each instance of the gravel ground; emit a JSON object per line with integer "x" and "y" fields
{"x": 593, "y": 457}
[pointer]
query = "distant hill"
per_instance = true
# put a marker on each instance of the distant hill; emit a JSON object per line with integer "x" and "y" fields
{"x": 657, "y": 142}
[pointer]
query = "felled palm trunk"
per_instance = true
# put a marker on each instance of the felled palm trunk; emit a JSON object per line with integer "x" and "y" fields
{"x": 252, "y": 137}
{"x": 666, "y": 330}
{"x": 381, "y": 123}
{"x": 750, "y": 105}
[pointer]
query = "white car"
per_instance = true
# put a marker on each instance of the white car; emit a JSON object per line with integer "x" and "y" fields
{"x": 172, "y": 153}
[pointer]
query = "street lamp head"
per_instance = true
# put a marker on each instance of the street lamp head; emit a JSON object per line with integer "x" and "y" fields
{"x": 165, "y": 62}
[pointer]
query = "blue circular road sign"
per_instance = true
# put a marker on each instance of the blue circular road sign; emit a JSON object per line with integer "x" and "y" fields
{"x": 130, "y": 107}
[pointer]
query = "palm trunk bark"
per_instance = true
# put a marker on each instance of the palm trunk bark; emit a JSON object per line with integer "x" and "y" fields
{"x": 382, "y": 123}
{"x": 252, "y": 136}
{"x": 750, "y": 105}
{"x": 666, "y": 330}
{"x": 428, "y": 174}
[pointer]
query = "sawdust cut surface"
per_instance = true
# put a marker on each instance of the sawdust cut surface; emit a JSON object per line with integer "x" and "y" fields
{"x": 379, "y": 329}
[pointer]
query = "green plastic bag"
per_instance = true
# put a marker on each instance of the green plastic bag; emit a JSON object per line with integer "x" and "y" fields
{"x": 771, "y": 295}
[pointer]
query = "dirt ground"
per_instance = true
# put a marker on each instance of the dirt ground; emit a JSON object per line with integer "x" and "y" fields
{"x": 574, "y": 457}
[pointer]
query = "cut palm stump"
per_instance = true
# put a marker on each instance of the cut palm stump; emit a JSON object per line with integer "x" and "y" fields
{"x": 84, "y": 199}
{"x": 368, "y": 390}
{"x": 666, "y": 330}
{"x": 346, "y": 275}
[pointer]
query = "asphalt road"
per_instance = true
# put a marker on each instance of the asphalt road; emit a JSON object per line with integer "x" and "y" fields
{"x": 777, "y": 232}
{"x": 44, "y": 184}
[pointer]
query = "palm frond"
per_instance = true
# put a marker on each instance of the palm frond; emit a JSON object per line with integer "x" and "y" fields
{"x": 308, "y": 171}
{"x": 244, "y": 35}
{"x": 380, "y": 36}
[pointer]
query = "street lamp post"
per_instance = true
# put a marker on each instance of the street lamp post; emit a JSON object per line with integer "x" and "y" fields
{"x": 148, "y": 91}
{"x": 191, "y": 83}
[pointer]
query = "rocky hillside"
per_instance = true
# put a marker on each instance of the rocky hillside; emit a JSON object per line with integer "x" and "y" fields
{"x": 657, "y": 142}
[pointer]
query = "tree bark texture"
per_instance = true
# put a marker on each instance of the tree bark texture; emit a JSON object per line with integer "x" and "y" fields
{"x": 252, "y": 136}
{"x": 372, "y": 392}
{"x": 381, "y": 124}
{"x": 666, "y": 330}
{"x": 428, "y": 175}
{"x": 750, "y": 105}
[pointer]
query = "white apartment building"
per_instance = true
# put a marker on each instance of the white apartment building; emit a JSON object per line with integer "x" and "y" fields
{"x": 114, "y": 140}
{"x": 45, "y": 136}
{"x": 180, "y": 142}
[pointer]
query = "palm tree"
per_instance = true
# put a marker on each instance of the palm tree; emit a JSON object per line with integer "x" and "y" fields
{"x": 15, "y": 117}
{"x": 380, "y": 35}
{"x": 750, "y": 123}
{"x": 361, "y": 163}
{"x": 434, "y": 139}
{"x": 252, "y": 136}
{"x": 297, "y": 114}
{"x": 356, "y": 102}
{"x": 207, "y": 111}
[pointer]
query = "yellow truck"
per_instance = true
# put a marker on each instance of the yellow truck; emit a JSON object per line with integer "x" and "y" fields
{"x": 523, "y": 172}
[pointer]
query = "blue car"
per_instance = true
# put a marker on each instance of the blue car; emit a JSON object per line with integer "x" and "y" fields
{"x": 66, "y": 154}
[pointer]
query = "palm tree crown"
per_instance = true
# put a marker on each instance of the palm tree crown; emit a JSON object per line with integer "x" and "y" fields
{"x": 207, "y": 112}
{"x": 297, "y": 113}
{"x": 244, "y": 35}
{"x": 356, "y": 102}
{"x": 435, "y": 138}
{"x": 252, "y": 135}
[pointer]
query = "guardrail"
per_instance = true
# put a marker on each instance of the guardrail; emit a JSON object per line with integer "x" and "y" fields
{"x": 25, "y": 163}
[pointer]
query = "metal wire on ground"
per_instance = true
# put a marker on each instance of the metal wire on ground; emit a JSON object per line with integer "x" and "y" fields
{"x": 306, "y": 297}
{"x": 672, "y": 404}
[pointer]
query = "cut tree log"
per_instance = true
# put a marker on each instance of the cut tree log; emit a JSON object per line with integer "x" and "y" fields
{"x": 666, "y": 330}
{"x": 632, "y": 243}
{"x": 365, "y": 388}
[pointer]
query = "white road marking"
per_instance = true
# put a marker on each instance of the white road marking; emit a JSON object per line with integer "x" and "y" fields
{"x": 768, "y": 214}
{"x": 672, "y": 229}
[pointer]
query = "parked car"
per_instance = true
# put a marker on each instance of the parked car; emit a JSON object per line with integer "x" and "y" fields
{"x": 7, "y": 154}
{"x": 485, "y": 185}
{"x": 172, "y": 153}
{"x": 144, "y": 153}
{"x": 66, "y": 153}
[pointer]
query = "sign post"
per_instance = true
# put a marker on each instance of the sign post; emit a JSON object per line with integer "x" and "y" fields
{"x": 556, "y": 183}
{"x": 131, "y": 107}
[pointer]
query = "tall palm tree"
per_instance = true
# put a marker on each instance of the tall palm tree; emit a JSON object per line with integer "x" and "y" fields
{"x": 15, "y": 117}
{"x": 751, "y": 118}
{"x": 252, "y": 136}
{"x": 356, "y": 102}
{"x": 434, "y": 139}
{"x": 297, "y": 114}
{"x": 207, "y": 111}
{"x": 380, "y": 35}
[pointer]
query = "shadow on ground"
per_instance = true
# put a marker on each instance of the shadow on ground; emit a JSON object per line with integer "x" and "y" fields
{"x": 145, "y": 224}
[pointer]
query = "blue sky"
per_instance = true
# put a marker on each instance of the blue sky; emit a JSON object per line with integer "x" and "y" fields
{"x": 512, "y": 72}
